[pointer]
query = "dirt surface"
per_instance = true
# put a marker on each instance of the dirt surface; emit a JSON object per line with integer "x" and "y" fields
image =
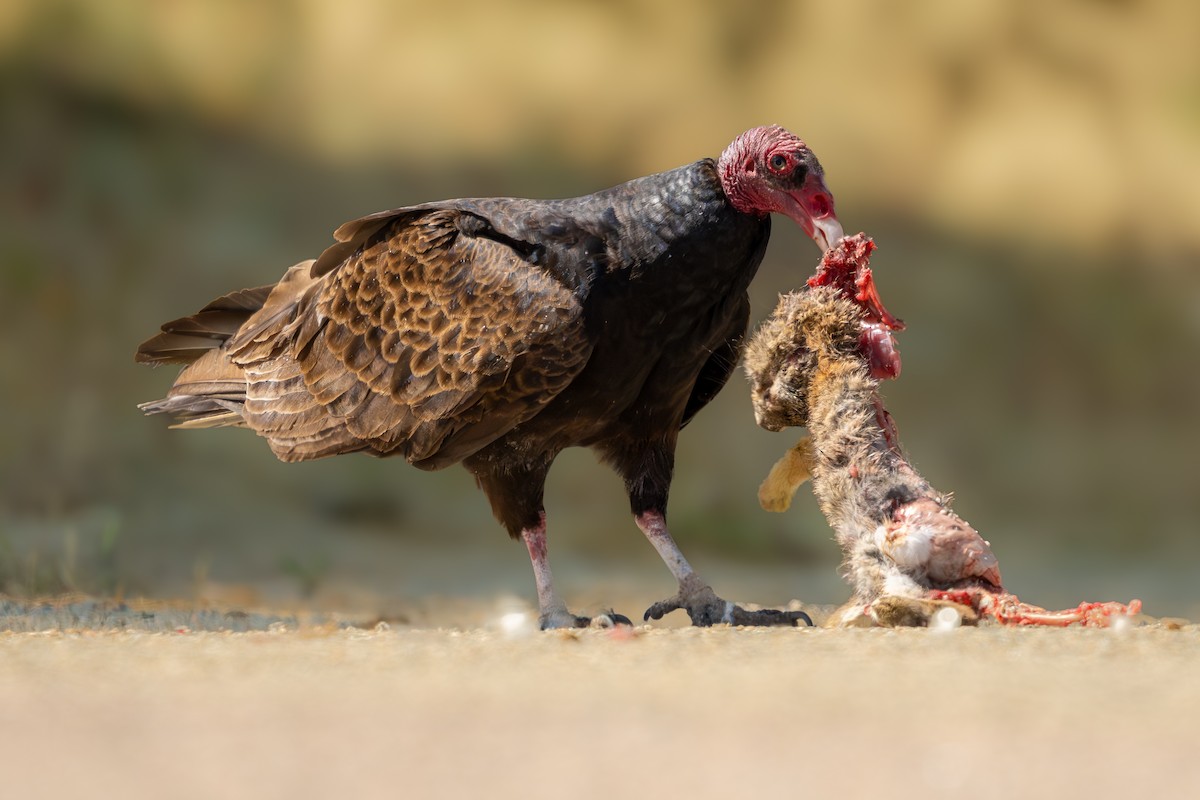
{"x": 321, "y": 708}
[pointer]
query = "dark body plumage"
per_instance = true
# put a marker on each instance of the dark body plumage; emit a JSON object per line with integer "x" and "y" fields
{"x": 495, "y": 332}
{"x": 660, "y": 268}
{"x": 498, "y": 332}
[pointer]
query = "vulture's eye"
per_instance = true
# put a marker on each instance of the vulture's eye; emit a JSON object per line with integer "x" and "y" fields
{"x": 778, "y": 162}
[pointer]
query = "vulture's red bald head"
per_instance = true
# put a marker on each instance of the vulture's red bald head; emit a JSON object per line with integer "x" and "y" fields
{"x": 769, "y": 170}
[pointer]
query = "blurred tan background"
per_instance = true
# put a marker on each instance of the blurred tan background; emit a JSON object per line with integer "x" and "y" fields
{"x": 1030, "y": 171}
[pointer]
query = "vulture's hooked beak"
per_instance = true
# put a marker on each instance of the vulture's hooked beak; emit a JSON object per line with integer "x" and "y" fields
{"x": 811, "y": 207}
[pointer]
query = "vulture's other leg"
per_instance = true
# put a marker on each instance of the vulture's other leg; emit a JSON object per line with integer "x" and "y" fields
{"x": 516, "y": 497}
{"x": 647, "y": 479}
{"x": 695, "y": 596}
{"x": 552, "y": 611}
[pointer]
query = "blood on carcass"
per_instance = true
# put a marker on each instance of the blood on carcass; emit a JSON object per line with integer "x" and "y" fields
{"x": 845, "y": 268}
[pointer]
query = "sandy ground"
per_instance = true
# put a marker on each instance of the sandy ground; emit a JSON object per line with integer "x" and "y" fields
{"x": 325, "y": 710}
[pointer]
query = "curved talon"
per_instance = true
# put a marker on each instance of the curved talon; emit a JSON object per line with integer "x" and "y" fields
{"x": 610, "y": 619}
{"x": 662, "y": 608}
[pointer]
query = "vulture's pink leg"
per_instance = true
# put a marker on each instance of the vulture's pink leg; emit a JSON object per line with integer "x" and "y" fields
{"x": 552, "y": 611}
{"x": 654, "y": 527}
{"x": 695, "y": 596}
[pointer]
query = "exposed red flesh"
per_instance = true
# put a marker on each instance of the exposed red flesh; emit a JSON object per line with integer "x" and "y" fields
{"x": 1008, "y": 609}
{"x": 919, "y": 543}
{"x": 844, "y": 266}
{"x": 888, "y": 426}
{"x": 879, "y": 346}
{"x": 925, "y": 535}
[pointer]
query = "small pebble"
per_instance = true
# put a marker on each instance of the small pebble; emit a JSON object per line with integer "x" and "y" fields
{"x": 945, "y": 619}
{"x": 516, "y": 623}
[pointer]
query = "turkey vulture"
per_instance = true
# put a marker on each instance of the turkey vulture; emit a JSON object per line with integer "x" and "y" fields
{"x": 817, "y": 361}
{"x": 496, "y": 332}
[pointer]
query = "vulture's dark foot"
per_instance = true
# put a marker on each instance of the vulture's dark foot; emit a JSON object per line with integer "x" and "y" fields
{"x": 561, "y": 618}
{"x": 553, "y": 620}
{"x": 770, "y": 616}
{"x": 705, "y": 609}
{"x": 610, "y": 619}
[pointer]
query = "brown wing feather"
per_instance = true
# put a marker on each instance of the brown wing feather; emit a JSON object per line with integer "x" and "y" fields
{"x": 427, "y": 342}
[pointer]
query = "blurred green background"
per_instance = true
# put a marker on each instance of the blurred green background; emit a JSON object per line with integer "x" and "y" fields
{"x": 1030, "y": 171}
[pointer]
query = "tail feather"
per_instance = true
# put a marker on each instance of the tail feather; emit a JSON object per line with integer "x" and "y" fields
{"x": 211, "y": 390}
{"x": 186, "y": 339}
{"x": 194, "y": 411}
